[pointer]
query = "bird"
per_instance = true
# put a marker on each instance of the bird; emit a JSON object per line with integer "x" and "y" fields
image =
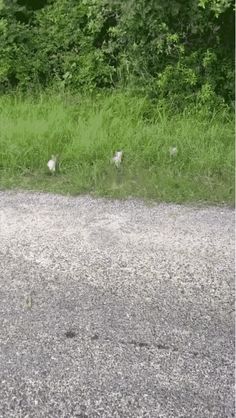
{"x": 52, "y": 164}
{"x": 173, "y": 151}
{"x": 117, "y": 158}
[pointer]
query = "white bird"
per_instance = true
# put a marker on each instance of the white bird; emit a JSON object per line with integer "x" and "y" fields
{"x": 117, "y": 158}
{"x": 52, "y": 164}
{"x": 173, "y": 151}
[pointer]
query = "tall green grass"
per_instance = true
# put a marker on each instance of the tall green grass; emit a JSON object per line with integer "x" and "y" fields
{"x": 86, "y": 131}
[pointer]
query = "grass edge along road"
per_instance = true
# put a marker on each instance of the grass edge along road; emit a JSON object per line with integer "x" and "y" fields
{"x": 85, "y": 132}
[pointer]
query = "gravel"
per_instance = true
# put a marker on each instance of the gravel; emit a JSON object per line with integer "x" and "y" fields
{"x": 115, "y": 308}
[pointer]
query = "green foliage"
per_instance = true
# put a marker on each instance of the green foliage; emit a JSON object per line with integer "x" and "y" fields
{"x": 85, "y": 131}
{"x": 217, "y": 6}
{"x": 172, "y": 50}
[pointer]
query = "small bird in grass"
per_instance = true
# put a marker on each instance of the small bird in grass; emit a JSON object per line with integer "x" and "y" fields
{"x": 173, "y": 151}
{"x": 117, "y": 158}
{"x": 52, "y": 164}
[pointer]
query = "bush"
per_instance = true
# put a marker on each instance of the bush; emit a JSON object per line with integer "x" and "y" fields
{"x": 170, "y": 50}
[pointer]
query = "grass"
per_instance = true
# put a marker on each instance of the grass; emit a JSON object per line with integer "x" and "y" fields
{"x": 85, "y": 133}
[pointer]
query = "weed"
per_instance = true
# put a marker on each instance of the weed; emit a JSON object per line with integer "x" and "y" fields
{"x": 85, "y": 133}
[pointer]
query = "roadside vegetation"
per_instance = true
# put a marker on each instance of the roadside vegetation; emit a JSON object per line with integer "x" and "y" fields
{"x": 86, "y": 131}
{"x": 84, "y": 79}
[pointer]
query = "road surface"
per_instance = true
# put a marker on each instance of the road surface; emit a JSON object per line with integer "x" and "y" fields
{"x": 115, "y": 308}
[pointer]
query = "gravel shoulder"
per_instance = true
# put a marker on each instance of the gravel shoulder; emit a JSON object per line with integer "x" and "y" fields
{"x": 115, "y": 309}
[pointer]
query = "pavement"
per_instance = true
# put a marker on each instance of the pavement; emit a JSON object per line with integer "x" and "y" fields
{"x": 115, "y": 308}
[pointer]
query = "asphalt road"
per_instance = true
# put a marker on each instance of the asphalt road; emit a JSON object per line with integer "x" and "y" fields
{"x": 115, "y": 309}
